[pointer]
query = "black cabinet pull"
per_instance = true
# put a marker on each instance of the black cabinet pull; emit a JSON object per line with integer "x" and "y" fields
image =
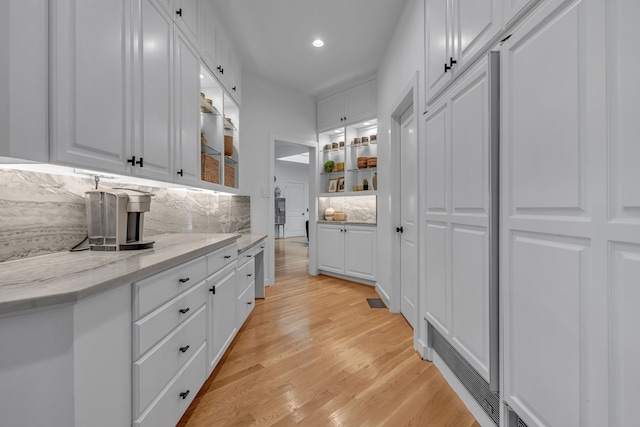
{"x": 179, "y": 12}
{"x": 227, "y": 256}
{"x": 446, "y": 67}
{"x": 249, "y": 256}
{"x": 399, "y": 230}
{"x": 219, "y": 68}
{"x": 183, "y": 280}
{"x": 180, "y": 172}
{"x": 250, "y": 302}
{"x": 452, "y": 61}
{"x": 234, "y": 88}
{"x": 222, "y": 71}
{"x": 132, "y": 160}
{"x": 140, "y": 162}
{"x": 184, "y": 394}
{"x": 249, "y": 275}
{"x": 261, "y": 247}
{"x": 184, "y": 310}
{"x": 184, "y": 349}
{"x": 213, "y": 290}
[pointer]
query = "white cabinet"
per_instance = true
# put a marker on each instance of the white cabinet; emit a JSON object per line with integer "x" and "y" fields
{"x": 187, "y": 17}
{"x": 91, "y": 81}
{"x": 457, "y": 31}
{"x": 24, "y": 112}
{"x": 514, "y": 9}
{"x": 570, "y": 223}
{"x": 222, "y": 313}
{"x": 187, "y": 112}
{"x": 153, "y": 71}
{"x": 246, "y": 288}
{"x": 347, "y": 107}
{"x": 348, "y": 250}
{"x": 461, "y": 200}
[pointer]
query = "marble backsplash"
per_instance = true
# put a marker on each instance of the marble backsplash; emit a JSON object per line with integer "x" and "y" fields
{"x": 357, "y": 208}
{"x": 43, "y": 213}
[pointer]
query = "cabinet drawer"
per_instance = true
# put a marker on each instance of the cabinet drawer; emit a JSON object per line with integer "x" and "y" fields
{"x": 160, "y": 322}
{"x": 178, "y": 395}
{"x": 246, "y": 302}
{"x": 250, "y": 253}
{"x": 246, "y": 275}
{"x": 223, "y": 256}
{"x": 152, "y": 372}
{"x": 152, "y": 292}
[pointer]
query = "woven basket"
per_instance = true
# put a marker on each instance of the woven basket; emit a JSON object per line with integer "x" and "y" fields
{"x": 229, "y": 176}
{"x": 210, "y": 168}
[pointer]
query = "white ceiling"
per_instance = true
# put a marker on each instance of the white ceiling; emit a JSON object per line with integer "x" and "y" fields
{"x": 274, "y": 38}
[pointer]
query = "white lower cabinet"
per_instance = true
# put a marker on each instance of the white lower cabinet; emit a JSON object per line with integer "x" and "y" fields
{"x": 245, "y": 289}
{"x": 222, "y": 313}
{"x": 348, "y": 250}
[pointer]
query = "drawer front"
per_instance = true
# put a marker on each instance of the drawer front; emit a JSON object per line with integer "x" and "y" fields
{"x": 222, "y": 257}
{"x": 246, "y": 303}
{"x": 149, "y": 330}
{"x": 152, "y": 372}
{"x": 173, "y": 402}
{"x": 154, "y": 291}
{"x": 246, "y": 275}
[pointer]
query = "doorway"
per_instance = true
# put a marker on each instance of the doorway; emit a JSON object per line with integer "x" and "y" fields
{"x": 293, "y": 167}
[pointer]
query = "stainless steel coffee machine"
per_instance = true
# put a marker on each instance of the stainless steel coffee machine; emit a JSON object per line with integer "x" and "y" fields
{"x": 116, "y": 219}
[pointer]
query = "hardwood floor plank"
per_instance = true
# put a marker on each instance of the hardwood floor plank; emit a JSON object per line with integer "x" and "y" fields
{"x": 313, "y": 353}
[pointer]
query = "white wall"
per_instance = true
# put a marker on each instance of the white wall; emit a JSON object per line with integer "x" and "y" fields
{"x": 403, "y": 59}
{"x": 297, "y": 172}
{"x": 268, "y": 109}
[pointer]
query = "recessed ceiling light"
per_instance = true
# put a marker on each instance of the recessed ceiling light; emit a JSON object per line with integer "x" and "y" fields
{"x": 318, "y": 43}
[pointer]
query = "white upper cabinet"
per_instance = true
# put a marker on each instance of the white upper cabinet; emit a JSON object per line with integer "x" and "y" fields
{"x": 91, "y": 81}
{"x": 186, "y": 17}
{"x": 347, "y": 107}
{"x": 457, "y": 32}
{"x": 153, "y": 70}
{"x": 207, "y": 35}
{"x": 514, "y": 9}
{"x": 187, "y": 114}
{"x": 24, "y": 113}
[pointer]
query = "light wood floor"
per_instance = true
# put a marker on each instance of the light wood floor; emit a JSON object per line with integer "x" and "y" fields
{"x": 313, "y": 353}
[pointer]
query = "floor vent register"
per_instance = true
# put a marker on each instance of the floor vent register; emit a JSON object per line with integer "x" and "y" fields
{"x": 376, "y": 303}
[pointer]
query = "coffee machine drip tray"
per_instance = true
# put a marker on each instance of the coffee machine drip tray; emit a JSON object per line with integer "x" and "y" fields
{"x": 136, "y": 245}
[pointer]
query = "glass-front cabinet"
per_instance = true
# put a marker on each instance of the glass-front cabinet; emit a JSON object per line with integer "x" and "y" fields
{"x": 348, "y": 160}
{"x": 219, "y": 135}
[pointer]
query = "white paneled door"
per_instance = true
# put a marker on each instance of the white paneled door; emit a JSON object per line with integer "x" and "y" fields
{"x": 295, "y": 193}
{"x": 570, "y": 233}
{"x": 409, "y": 217}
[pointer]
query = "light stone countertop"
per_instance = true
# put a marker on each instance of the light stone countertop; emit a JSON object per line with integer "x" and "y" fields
{"x": 249, "y": 240}
{"x": 70, "y": 276}
{"x": 368, "y": 224}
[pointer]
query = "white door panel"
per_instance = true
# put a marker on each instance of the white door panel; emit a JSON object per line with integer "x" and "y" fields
{"x": 295, "y": 193}
{"x": 409, "y": 217}
{"x": 436, "y": 161}
{"x": 437, "y": 289}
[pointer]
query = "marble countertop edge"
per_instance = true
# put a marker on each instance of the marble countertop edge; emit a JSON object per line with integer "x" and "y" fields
{"x": 35, "y": 283}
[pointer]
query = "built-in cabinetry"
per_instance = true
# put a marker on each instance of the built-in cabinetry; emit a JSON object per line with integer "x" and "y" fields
{"x": 348, "y": 157}
{"x": 347, "y": 107}
{"x": 570, "y": 214}
{"x": 135, "y": 109}
{"x": 456, "y": 32}
{"x": 24, "y": 111}
{"x": 347, "y": 250}
{"x": 461, "y": 162}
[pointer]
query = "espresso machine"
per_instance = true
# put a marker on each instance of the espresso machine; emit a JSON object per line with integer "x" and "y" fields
{"x": 116, "y": 219}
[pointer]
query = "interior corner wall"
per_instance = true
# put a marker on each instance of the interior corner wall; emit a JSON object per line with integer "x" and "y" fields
{"x": 403, "y": 58}
{"x": 268, "y": 108}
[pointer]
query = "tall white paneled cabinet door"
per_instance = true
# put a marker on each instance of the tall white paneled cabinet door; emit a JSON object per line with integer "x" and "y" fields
{"x": 153, "y": 70}
{"x": 570, "y": 232}
{"x": 90, "y": 77}
{"x": 514, "y": 9}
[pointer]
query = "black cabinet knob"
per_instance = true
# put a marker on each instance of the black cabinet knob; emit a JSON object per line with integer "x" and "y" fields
{"x": 227, "y": 256}
{"x": 184, "y": 310}
{"x": 233, "y": 88}
{"x": 452, "y": 61}
{"x": 183, "y": 280}
{"x": 184, "y": 394}
{"x": 446, "y": 67}
{"x": 140, "y": 162}
{"x": 249, "y": 275}
{"x": 184, "y": 349}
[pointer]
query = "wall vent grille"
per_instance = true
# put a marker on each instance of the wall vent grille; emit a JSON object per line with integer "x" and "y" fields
{"x": 473, "y": 382}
